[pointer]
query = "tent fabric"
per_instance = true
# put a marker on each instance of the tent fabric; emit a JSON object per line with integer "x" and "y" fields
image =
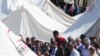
{"x": 8, "y": 6}
{"x": 3, "y": 5}
{"x": 55, "y": 13}
{"x": 31, "y": 21}
{"x": 94, "y": 30}
{"x": 13, "y": 21}
{"x": 37, "y": 30}
{"x": 12, "y": 5}
{"x": 9, "y": 44}
{"x": 3, "y": 9}
{"x": 52, "y": 10}
{"x": 85, "y": 21}
{"x": 97, "y": 34}
{"x": 24, "y": 21}
{"x": 78, "y": 16}
{"x": 37, "y": 2}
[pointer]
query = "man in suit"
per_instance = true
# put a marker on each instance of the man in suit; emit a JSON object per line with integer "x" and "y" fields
{"x": 55, "y": 51}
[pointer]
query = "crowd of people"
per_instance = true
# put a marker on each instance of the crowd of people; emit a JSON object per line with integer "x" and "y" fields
{"x": 73, "y": 7}
{"x": 59, "y": 46}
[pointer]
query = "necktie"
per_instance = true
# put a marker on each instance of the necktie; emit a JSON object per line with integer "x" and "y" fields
{"x": 53, "y": 52}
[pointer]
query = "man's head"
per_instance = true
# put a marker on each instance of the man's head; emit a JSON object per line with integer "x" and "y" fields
{"x": 55, "y": 33}
{"x": 70, "y": 46}
{"x": 86, "y": 42}
{"x": 70, "y": 39}
{"x": 54, "y": 44}
{"x": 32, "y": 40}
{"x": 28, "y": 40}
{"x": 79, "y": 41}
{"x": 92, "y": 50}
{"x": 52, "y": 40}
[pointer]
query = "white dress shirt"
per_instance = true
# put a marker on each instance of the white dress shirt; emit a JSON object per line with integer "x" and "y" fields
{"x": 98, "y": 52}
{"x": 74, "y": 52}
{"x": 53, "y": 53}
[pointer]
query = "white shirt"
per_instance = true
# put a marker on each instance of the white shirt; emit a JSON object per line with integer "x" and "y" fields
{"x": 98, "y": 52}
{"x": 74, "y": 52}
{"x": 53, "y": 52}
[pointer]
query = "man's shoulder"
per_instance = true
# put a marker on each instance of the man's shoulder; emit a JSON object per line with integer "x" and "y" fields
{"x": 62, "y": 38}
{"x": 75, "y": 52}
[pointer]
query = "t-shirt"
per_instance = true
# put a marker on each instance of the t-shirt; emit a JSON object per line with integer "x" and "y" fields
{"x": 61, "y": 41}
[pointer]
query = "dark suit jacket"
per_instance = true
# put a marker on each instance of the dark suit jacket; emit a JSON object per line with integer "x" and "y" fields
{"x": 59, "y": 52}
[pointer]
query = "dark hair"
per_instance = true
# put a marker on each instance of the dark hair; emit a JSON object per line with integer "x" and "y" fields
{"x": 82, "y": 36}
{"x": 92, "y": 49}
{"x": 55, "y": 32}
{"x": 32, "y": 38}
{"x": 54, "y": 43}
{"x": 96, "y": 45}
{"x": 27, "y": 39}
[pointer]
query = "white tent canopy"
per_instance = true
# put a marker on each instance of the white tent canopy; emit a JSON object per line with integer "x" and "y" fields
{"x": 52, "y": 11}
{"x": 3, "y": 5}
{"x": 94, "y": 30}
{"x": 9, "y": 44}
{"x": 85, "y": 22}
{"x": 8, "y": 6}
{"x": 46, "y": 6}
{"x": 2, "y": 9}
{"x": 31, "y": 21}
